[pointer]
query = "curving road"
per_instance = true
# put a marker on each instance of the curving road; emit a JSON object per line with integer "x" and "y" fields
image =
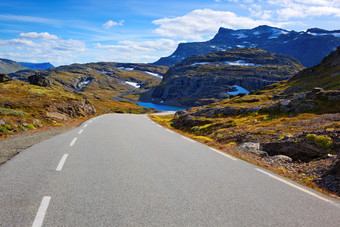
{"x": 125, "y": 170}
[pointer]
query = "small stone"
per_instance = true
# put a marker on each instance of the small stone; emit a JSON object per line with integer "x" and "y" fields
{"x": 263, "y": 154}
{"x": 282, "y": 158}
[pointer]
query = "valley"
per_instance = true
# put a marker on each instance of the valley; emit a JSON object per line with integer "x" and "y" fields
{"x": 262, "y": 106}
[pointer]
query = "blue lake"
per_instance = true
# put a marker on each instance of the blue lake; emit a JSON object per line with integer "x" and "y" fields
{"x": 159, "y": 107}
{"x": 239, "y": 90}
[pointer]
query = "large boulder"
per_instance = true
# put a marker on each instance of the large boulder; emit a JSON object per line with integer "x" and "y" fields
{"x": 303, "y": 151}
{"x": 4, "y": 78}
{"x": 39, "y": 80}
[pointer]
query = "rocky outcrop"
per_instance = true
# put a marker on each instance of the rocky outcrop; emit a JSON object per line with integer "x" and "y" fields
{"x": 73, "y": 109}
{"x": 302, "y": 151}
{"x": 200, "y": 80}
{"x": 39, "y": 80}
{"x": 309, "y": 47}
{"x": 4, "y": 78}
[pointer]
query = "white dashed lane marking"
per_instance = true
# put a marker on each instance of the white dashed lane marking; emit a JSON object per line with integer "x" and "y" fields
{"x": 81, "y": 131}
{"x": 39, "y": 218}
{"x": 73, "y": 142}
{"x": 62, "y": 162}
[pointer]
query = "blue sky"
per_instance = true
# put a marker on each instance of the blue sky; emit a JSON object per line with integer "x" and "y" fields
{"x": 80, "y": 31}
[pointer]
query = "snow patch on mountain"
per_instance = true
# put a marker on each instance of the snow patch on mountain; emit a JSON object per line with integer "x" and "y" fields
{"x": 133, "y": 84}
{"x": 153, "y": 74}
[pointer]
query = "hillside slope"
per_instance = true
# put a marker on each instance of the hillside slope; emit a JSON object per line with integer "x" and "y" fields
{"x": 9, "y": 66}
{"x": 203, "y": 79}
{"x": 290, "y": 127}
{"x": 309, "y": 47}
{"x": 72, "y": 91}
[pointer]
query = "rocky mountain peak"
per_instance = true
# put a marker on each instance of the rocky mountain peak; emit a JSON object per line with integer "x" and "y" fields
{"x": 309, "y": 47}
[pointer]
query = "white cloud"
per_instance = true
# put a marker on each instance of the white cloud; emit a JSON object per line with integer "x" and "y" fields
{"x": 144, "y": 46}
{"x": 42, "y": 47}
{"x": 38, "y": 36}
{"x": 5, "y": 17}
{"x": 111, "y": 23}
{"x": 288, "y": 9}
{"x": 132, "y": 51}
{"x": 204, "y": 22}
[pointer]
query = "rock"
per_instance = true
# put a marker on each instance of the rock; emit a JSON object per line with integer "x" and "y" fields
{"x": 39, "y": 80}
{"x": 4, "y": 78}
{"x": 73, "y": 109}
{"x": 317, "y": 90}
{"x": 303, "y": 151}
{"x": 25, "y": 124}
{"x": 282, "y": 158}
{"x": 250, "y": 147}
{"x": 263, "y": 154}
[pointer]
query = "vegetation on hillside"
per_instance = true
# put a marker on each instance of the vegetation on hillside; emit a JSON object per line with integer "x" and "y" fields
{"x": 291, "y": 118}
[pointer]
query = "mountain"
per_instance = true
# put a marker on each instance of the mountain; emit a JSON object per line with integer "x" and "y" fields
{"x": 203, "y": 79}
{"x": 9, "y": 66}
{"x": 309, "y": 47}
{"x": 29, "y": 65}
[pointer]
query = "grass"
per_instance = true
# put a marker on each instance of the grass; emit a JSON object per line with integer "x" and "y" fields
{"x": 11, "y": 112}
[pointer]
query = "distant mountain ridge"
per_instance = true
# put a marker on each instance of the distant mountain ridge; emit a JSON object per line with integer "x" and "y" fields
{"x": 309, "y": 47}
{"x": 44, "y": 65}
{"x": 9, "y": 66}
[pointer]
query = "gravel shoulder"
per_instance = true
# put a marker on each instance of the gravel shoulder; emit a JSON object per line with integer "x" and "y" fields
{"x": 9, "y": 147}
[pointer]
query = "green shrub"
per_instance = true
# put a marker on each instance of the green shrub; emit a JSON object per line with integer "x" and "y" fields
{"x": 6, "y": 111}
{"x": 30, "y": 126}
{"x": 8, "y": 127}
{"x": 3, "y": 129}
{"x": 321, "y": 141}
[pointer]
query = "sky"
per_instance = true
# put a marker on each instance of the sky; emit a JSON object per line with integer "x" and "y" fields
{"x": 80, "y": 31}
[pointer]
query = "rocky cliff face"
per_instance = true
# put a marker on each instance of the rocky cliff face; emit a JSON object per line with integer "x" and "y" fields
{"x": 203, "y": 79}
{"x": 308, "y": 47}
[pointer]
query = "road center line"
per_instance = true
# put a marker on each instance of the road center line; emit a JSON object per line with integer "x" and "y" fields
{"x": 39, "y": 218}
{"x": 295, "y": 186}
{"x": 192, "y": 141}
{"x": 169, "y": 131}
{"x": 62, "y": 162}
{"x": 224, "y": 154}
{"x": 73, "y": 141}
{"x": 85, "y": 125}
{"x": 81, "y": 131}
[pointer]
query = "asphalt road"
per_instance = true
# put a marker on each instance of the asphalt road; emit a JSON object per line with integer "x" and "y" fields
{"x": 125, "y": 170}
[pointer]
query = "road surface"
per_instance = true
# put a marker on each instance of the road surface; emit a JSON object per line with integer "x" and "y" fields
{"x": 125, "y": 170}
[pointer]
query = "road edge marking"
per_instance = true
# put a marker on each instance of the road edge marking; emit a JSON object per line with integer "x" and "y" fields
{"x": 169, "y": 130}
{"x": 186, "y": 138}
{"x": 62, "y": 162}
{"x": 39, "y": 218}
{"x": 224, "y": 154}
{"x": 295, "y": 186}
{"x": 73, "y": 142}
